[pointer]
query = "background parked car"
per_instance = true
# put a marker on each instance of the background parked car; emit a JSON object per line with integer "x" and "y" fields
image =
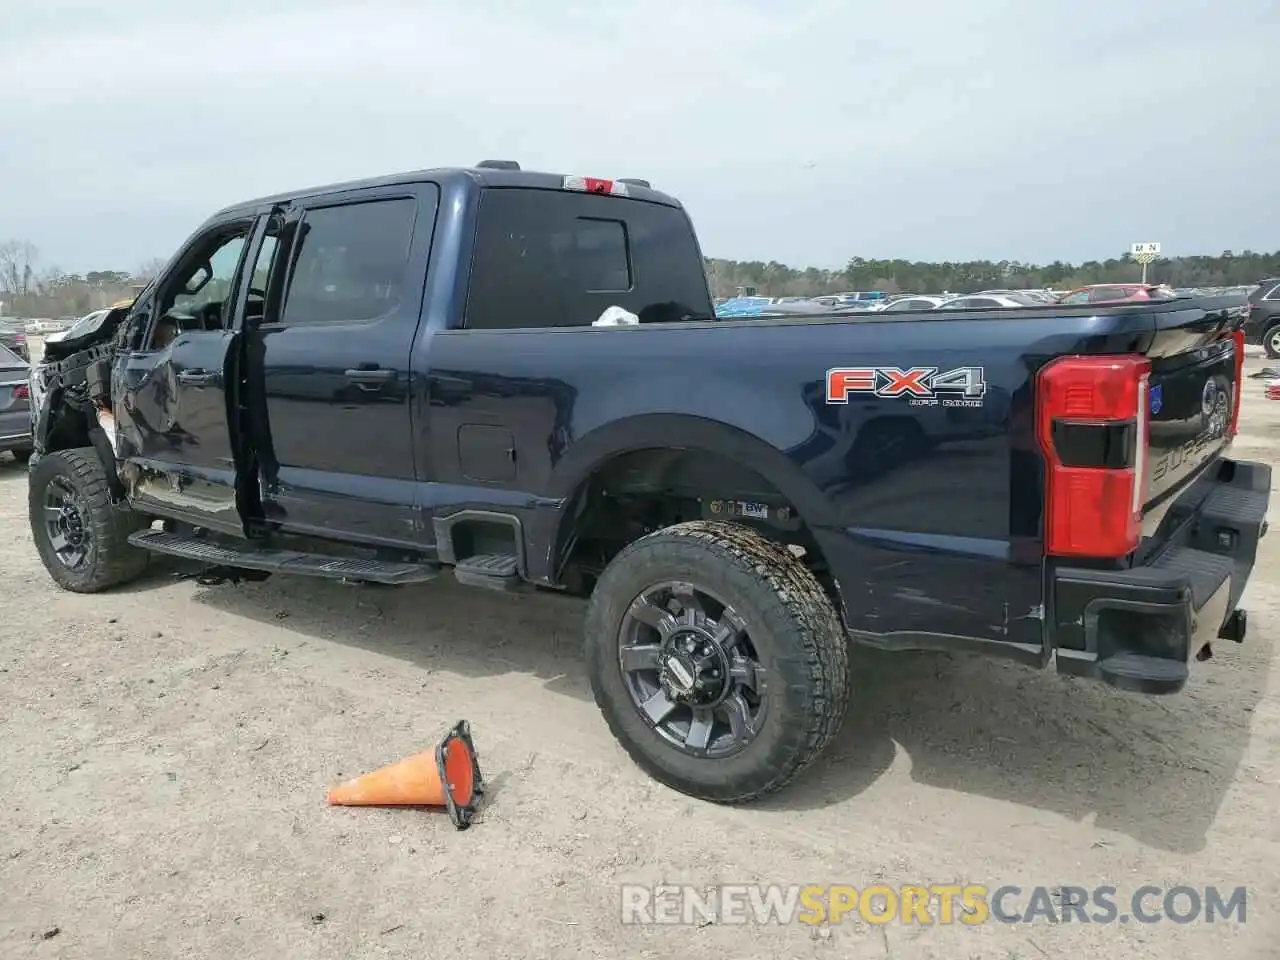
{"x": 920, "y": 302}
{"x": 1263, "y": 325}
{"x": 1040, "y": 296}
{"x": 15, "y": 404}
{"x": 13, "y": 334}
{"x": 986, "y": 301}
{"x": 1118, "y": 293}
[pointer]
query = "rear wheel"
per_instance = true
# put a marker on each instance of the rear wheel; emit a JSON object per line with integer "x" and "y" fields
{"x": 81, "y": 536}
{"x": 717, "y": 660}
{"x": 1271, "y": 342}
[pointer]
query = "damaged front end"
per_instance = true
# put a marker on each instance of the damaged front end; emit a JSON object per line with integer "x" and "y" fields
{"x": 71, "y": 399}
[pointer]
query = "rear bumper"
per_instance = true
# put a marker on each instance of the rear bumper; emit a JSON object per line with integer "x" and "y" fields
{"x": 1140, "y": 628}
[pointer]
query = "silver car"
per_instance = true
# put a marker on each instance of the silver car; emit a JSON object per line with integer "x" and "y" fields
{"x": 15, "y": 405}
{"x": 903, "y": 304}
{"x": 986, "y": 301}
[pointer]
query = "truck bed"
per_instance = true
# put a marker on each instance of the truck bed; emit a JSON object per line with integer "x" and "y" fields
{"x": 934, "y": 506}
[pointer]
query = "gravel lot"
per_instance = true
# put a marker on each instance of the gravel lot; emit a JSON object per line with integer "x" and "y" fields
{"x": 165, "y": 749}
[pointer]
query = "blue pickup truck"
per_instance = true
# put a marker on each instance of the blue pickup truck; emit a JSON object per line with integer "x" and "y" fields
{"x": 399, "y": 378}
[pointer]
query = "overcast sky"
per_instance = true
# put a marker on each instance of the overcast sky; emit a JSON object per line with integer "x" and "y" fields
{"x": 806, "y": 133}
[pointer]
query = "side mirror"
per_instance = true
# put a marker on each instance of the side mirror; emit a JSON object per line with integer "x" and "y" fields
{"x": 199, "y": 279}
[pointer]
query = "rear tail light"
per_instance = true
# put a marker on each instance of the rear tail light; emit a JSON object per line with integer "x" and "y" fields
{"x": 1091, "y": 423}
{"x": 21, "y": 392}
{"x": 1237, "y": 384}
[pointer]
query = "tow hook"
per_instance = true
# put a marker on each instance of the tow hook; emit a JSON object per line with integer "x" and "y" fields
{"x": 1235, "y": 628}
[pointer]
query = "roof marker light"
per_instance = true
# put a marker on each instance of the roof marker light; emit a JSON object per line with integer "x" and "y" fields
{"x": 596, "y": 185}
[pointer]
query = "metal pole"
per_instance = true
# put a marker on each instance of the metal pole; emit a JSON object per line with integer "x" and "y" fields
{"x": 1144, "y": 271}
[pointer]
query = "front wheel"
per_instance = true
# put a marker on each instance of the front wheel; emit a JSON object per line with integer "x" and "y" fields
{"x": 717, "y": 660}
{"x": 1271, "y": 342}
{"x": 81, "y": 536}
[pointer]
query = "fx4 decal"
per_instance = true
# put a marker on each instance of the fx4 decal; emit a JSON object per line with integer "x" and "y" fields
{"x": 922, "y": 386}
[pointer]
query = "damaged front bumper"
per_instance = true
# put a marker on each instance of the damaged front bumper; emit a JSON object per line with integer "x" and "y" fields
{"x": 1140, "y": 628}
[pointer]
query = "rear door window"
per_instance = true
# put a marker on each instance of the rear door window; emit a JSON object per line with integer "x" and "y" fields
{"x": 549, "y": 258}
{"x": 351, "y": 262}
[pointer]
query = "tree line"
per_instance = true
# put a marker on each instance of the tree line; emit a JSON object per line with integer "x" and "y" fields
{"x": 775, "y": 279}
{"x": 28, "y": 289}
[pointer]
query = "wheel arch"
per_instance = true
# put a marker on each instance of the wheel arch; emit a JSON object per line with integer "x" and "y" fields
{"x": 64, "y": 426}
{"x": 673, "y": 436}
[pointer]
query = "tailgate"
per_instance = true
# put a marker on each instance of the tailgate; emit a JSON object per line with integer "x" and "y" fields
{"x": 1191, "y": 396}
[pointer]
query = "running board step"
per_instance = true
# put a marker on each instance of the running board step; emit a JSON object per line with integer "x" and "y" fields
{"x": 250, "y": 557}
{"x": 494, "y": 571}
{"x": 1142, "y": 674}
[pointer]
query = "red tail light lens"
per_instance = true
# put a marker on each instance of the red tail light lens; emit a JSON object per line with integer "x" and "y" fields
{"x": 1237, "y": 384}
{"x": 21, "y": 392}
{"x": 1091, "y": 424}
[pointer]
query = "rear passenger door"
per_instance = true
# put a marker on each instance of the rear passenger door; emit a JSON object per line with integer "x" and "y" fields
{"x": 329, "y": 364}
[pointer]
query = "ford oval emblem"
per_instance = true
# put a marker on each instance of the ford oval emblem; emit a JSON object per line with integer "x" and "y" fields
{"x": 1157, "y": 399}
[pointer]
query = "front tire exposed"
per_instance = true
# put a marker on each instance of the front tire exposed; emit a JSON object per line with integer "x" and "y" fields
{"x": 717, "y": 659}
{"x": 81, "y": 536}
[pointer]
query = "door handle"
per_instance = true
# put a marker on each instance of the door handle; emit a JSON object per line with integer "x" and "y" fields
{"x": 370, "y": 377}
{"x": 195, "y": 377}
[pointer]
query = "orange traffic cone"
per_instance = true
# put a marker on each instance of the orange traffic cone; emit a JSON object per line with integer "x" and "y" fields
{"x": 448, "y": 776}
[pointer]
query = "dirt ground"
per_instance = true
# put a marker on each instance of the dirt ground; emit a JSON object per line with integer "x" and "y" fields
{"x": 165, "y": 750}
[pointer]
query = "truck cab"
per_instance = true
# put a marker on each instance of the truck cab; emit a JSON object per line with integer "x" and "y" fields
{"x": 278, "y": 374}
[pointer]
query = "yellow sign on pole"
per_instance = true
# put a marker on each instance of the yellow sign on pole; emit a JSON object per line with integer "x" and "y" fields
{"x": 1145, "y": 253}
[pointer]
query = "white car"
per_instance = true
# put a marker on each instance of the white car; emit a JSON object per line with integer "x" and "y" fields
{"x": 985, "y": 301}
{"x": 902, "y": 304}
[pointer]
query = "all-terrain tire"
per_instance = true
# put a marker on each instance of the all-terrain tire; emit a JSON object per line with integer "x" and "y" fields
{"x": 791, "y": 623}
{"x": 110, "y": 560}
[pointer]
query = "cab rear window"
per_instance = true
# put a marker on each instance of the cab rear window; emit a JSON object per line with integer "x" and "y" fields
{"x": 549, "y": 258}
